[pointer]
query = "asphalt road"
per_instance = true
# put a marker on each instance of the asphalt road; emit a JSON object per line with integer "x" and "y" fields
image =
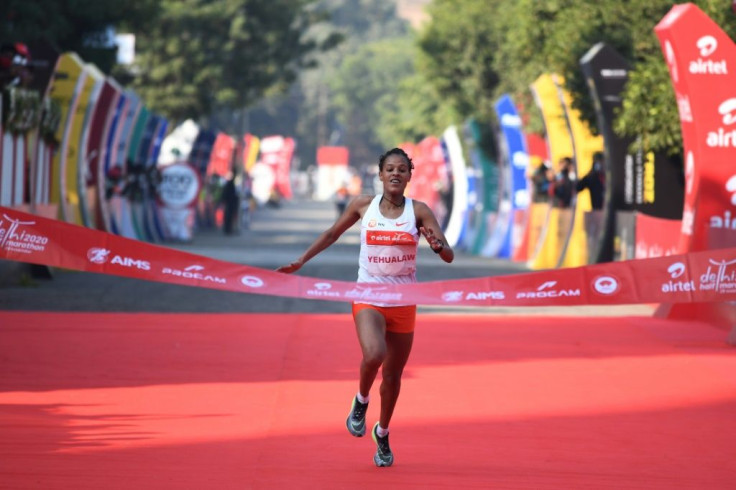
{"x": 275, "y": 237}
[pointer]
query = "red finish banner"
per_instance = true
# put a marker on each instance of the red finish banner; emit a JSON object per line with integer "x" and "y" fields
{"x": 695, "y": 277}
{"x": 698, "y": 54}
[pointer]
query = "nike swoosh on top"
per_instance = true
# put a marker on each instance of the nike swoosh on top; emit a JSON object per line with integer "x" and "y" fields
{"x": 401, "y": 224}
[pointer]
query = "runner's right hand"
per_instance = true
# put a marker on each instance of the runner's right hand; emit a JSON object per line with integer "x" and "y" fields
{"x": 293, "y": 267}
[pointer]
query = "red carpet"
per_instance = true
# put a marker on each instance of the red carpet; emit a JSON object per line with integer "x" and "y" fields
{"x": 91, "y": 401}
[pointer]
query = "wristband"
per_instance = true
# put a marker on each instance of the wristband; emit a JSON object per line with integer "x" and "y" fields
{"x": 442, "y": 247}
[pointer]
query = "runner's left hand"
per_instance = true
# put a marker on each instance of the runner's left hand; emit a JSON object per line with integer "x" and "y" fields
{"x": 434, "y": 242}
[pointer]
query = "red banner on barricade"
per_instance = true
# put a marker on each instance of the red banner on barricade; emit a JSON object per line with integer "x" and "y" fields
{"x": 696, "y": 277}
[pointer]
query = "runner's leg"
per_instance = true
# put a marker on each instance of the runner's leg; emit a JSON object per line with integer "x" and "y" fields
{"x": 398, "y": 348}
{"x": 371, "y": 327}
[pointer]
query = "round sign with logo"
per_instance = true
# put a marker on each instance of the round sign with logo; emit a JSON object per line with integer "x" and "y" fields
{"x": 180, "y": 185}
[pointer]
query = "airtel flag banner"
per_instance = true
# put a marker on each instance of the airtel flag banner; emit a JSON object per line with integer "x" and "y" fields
{"x": 702, "y": 60}
{"x": 221, "y": 158}
{"x": 706, "y": 276}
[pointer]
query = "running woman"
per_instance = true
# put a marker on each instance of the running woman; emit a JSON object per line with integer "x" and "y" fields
{"x": 390, "y": 225}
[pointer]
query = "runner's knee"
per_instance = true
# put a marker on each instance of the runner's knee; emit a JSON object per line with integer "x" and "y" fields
{"x": 374, "y": 357}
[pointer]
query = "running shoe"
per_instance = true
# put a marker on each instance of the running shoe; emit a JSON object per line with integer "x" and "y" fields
{"x": 383, "y": 456}
{"x": 356, "y": 418}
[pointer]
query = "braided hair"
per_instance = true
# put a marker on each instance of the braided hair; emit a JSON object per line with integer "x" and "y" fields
{"x": 395, "y": 151}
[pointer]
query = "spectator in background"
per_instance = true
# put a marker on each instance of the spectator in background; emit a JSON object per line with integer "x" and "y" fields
{"x": 563, "y": 185}
{"x": 341, "y": 199}
{"x": 231, "y": 201}
{"x": 541, "y": 179}
{"x": 595, "y": 182}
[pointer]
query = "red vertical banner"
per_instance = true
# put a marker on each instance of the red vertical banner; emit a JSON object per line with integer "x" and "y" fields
{"x": 277, "y": 152}
{"x": 332, "y": 170}
{"x": 429, "y": 177}
{"x": 222, "y": 156}
{"x": 702, "y": 64}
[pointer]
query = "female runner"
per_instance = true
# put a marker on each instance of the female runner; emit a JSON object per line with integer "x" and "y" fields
{"x": 389, "y": 234}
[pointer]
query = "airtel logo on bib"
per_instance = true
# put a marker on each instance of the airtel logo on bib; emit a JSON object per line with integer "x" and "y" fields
{"x": 707, "y": 46}
{"x": 724, "y": 138}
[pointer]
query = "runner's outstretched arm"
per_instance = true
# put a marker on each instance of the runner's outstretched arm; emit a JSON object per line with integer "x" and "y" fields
{"x": 347, "y": 219}
{"x": 430, "y": 228}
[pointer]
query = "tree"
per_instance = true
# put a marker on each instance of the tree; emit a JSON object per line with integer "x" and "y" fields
{"x": 82, "y": 26}
{"x": 204, "y": 55}
{"x": 308, "y": 110}
{"x": 365, "y": 88}
{"x": 419, "y": 111}
{"x": 458, "y": 48}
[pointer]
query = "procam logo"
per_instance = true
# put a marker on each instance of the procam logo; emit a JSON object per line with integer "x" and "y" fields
{"x": 547, "y": 290}
{"x": 194, "y": 272}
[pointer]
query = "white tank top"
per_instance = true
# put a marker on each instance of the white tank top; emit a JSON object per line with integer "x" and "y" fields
{"x": 388, "y": 247}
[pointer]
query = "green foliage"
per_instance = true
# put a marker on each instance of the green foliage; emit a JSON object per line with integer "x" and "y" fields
{"x": 418, "y": 112}
{"x": 203, "y": 55}
{"x": 82, "y": 26}
{"x": 365, "y": 88}
{"x": 649, "y": 108}
{"x": 458, "y": 48}
{"x": 311, "y": 110}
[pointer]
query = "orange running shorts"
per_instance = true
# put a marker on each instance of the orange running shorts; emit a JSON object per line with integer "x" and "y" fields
{"x": 399, "y": 319}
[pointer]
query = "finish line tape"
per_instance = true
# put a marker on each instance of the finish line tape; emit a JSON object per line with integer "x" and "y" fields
{"x": 708, "y": 276}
